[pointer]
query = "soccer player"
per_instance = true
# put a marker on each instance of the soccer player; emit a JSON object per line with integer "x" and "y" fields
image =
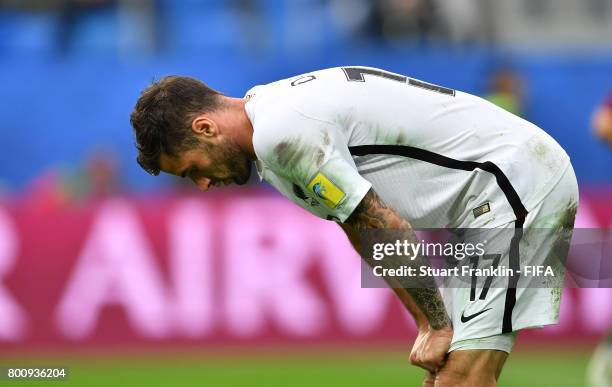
{"x": 370, "y": 149}
{"x": 602, "y": 120}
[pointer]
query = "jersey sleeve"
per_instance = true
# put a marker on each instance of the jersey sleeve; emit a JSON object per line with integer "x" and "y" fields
{"x": 312, "y": 154}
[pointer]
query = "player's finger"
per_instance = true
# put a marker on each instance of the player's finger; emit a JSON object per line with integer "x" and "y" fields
{"x": 433, "y": 362}
{"x": 415, "y": 360}
{"x": 419, "y": 361}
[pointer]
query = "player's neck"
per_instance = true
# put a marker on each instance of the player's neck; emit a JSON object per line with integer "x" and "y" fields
{"x": 241, "y": 126}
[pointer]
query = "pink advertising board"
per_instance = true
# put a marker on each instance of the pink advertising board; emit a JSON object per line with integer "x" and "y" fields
{"x": 234, "y": 269}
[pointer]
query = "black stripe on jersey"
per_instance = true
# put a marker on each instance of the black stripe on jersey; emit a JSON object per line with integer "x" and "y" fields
{"x": 430, "y": 157}
{"x": 502, "y": 181}
{"x": 514, "y": 264}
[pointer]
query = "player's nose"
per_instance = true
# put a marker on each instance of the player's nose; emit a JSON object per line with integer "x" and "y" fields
{"x": 203, "y": 183}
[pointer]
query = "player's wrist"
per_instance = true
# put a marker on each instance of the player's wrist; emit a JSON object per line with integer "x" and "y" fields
{"x": 443, "y": 331}
{"x": 422, "y": 325}
{"x": 426, "y": 327}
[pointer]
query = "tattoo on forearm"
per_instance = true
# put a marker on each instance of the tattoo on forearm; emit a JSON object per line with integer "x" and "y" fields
{"x": 372, "y": 213}
{"x": 431, "y": 304}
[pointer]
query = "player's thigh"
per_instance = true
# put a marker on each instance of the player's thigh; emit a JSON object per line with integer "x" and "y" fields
{"x": 473, "y": 368}
{"x": 478, "y": 304}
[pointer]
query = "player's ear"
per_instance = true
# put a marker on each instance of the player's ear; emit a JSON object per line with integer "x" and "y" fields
{"x": 202, "y": 125}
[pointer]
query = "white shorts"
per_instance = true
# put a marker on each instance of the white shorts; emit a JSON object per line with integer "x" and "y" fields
{"x": 489, "y": 317}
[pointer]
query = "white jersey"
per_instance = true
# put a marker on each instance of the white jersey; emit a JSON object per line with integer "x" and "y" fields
{"x": 439, "y": 157}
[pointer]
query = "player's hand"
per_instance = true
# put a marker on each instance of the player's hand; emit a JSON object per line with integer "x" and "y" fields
{"x": 430, "y": 348}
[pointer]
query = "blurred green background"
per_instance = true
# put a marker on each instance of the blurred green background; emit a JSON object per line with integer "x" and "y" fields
{"x": 310, "y": 367}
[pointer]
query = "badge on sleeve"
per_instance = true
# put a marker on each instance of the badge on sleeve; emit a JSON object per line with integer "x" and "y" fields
{"x": 327, "y": 191}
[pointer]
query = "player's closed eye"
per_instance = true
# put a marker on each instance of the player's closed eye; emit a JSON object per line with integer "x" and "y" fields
{"x": 187, "y": 172}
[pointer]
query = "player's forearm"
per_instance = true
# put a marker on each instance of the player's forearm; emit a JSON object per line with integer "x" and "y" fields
{"x": 408, "y": 302}
{"x": 401, "y": 293}
{"x": 420, "y": 295}
{"x": 372, "y": 213}
{"x": 352, "y": 236}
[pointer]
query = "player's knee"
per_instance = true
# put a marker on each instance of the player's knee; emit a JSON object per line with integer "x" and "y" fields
{"x": 468, "y": 369}
{"x": 457, "y": 379}
{"x": 448, "y": 379}
{"x": 452, "y": 376}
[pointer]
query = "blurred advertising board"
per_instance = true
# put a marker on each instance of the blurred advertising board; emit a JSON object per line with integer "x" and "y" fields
{"x": 218, "y": 269}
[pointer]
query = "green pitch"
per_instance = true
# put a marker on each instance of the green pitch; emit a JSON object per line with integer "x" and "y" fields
{"x": 359, "y": 367}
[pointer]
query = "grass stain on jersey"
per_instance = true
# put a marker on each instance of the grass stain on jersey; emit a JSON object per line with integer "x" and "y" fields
{"x": 292, "y": 154}
{"x": 543, "y": 154}
{"x": 401, "y": 138}
{"x": 295, "y": 151}
{"x": 300, "y": 159}
{"x": 569, "y": 218}
{"x": 555, "y": 294}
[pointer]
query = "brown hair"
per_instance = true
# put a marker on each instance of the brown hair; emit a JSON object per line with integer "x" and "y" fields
{"x": 163, "y": 115}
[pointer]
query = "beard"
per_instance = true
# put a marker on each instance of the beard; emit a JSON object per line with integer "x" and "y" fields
{"x": 235, "y": 161}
